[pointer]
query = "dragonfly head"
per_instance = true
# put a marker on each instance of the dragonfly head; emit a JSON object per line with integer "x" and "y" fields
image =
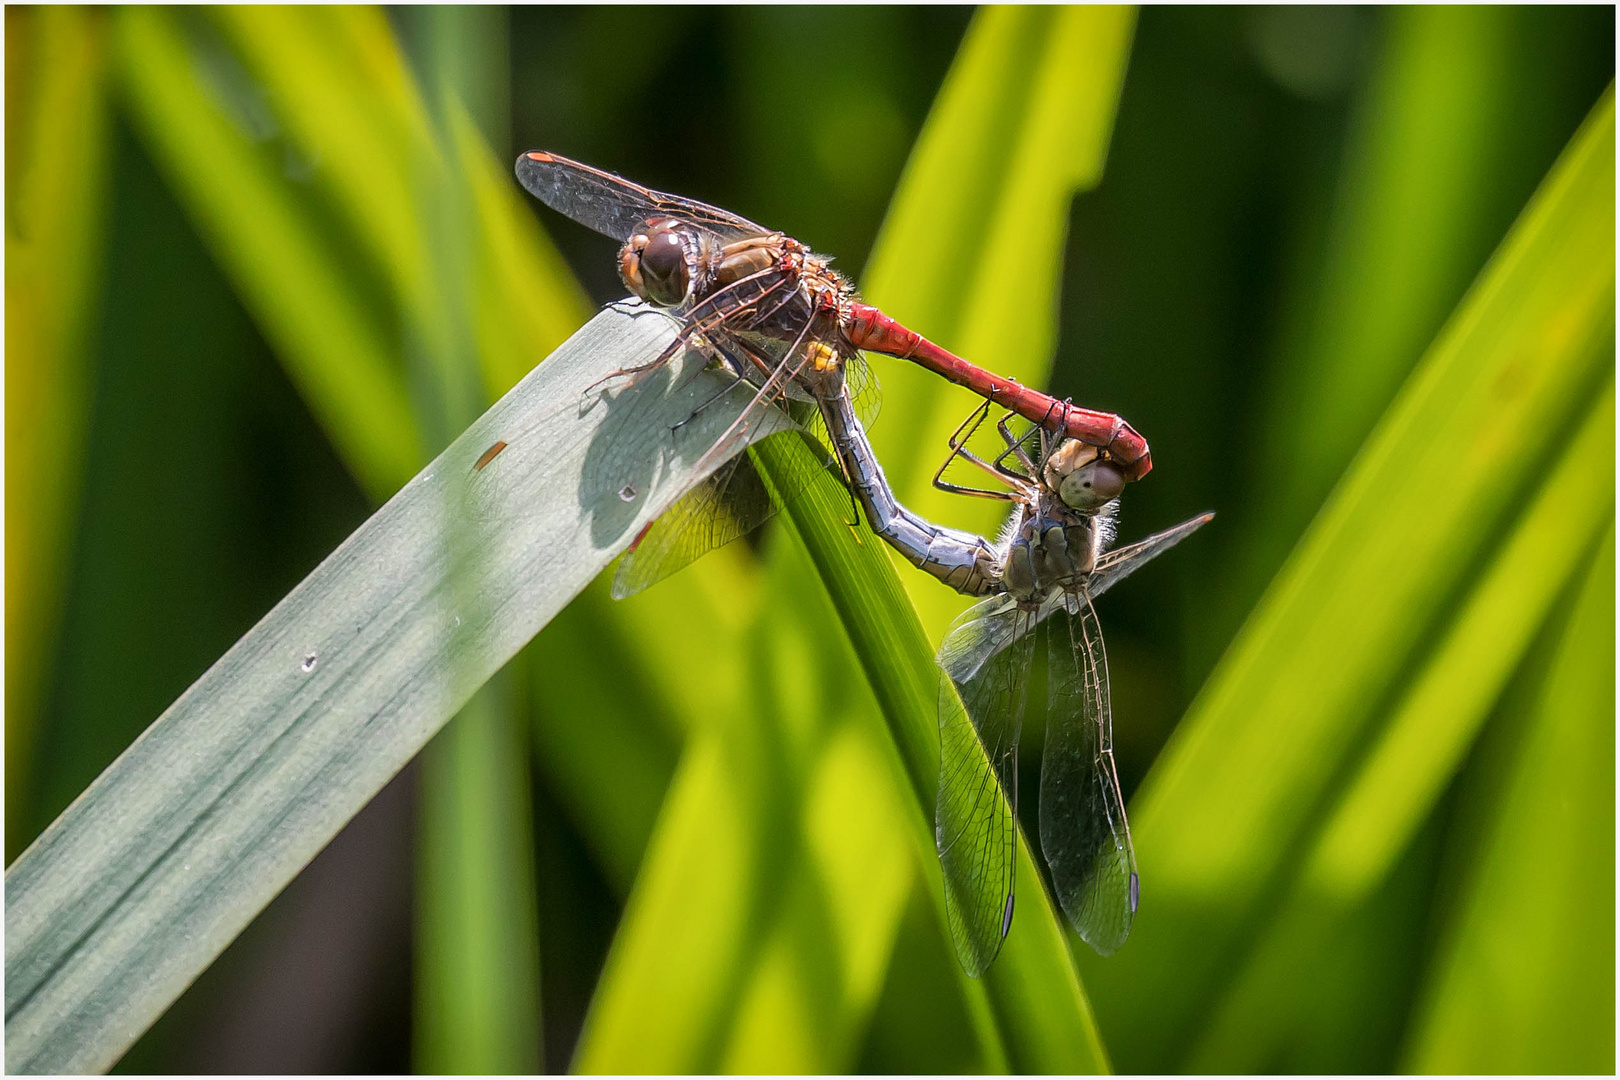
{"x": 661, "y": 261}
{"x": 1083, "y": 476}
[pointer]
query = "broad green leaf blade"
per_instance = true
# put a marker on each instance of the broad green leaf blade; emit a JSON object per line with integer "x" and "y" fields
{"x": 161, "y": 862}
{"x": 1470, "y": 436}
{"x": 55, "y": 210}
{"x": 476, "y": 969}
{"x": 432, "y": 213}
{"x": 1431, "y": 728}
{"x": 1040, "y": 1010}
{"x": 312, "y": 307}
{"x": 376, "y": 155}
{"x": 692, "y": 868}
{"x": 1435, "y": 722}
{"x": 1523, "y": 980}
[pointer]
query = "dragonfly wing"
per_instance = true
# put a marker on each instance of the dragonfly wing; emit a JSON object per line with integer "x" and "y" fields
{"x": 978, "y": 634}
{"x": 1084, "y": 834}
{"x": 976, "y": 814}
{"x": 864, "y": 392}
{"x": 614, "y": 206}
{"x": 1115, "y": 566}
{"x": 732, "y": 502}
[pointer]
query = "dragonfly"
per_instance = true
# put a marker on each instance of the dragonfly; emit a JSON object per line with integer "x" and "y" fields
{"x": 769, "y": 311}
{"x": 1052, "y": 562}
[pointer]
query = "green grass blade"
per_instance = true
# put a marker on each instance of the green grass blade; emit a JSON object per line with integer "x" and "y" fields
{"x": 436, "y": 218}
{"x": 1543, "y": 881}
{"x": 795, "y": 903}
{"x": 476, "y": 973}
{"x": 518, "y": 300}
{"x": 1470, "y": 436}
{"x": 1437, "y": 118}
{"x": 971, "y": 252}
{"x": 1039, "y": 1008}
{"x": 339, "y": 351}
{"x": 740, "y": 900}
{"x": 1421, "y": 747}
{"x": 55, "y": 213}
{"x": 126, "y": 897}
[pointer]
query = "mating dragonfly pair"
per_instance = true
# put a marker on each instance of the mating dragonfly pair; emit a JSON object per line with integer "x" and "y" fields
{"x": 774, "y": 315}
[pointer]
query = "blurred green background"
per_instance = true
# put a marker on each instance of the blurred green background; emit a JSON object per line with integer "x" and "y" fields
{"x": 226, "y": 343}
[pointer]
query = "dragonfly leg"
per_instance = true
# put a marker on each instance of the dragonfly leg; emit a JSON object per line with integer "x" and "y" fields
{"x": 964, "y": 431}
{"x": 699, "y": 321}
{"x": 631, "y": 373}
{"x": 854, "y": 502}
{"x": 958, "y": 444}
{"x": 633, "y": 307}
{"x": 714, "y": 397}
{"x": 773, "y": 389}
{"x": 1015, "y": 445}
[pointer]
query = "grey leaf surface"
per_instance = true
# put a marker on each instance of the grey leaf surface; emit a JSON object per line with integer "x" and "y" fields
{"x": 130, "y": 894}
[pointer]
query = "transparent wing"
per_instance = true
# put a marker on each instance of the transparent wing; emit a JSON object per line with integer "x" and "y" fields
{"x": 613, "y": 205}
{"x": 976, "y": 813}
{"x": 733, "y": 502}
{"x": 978, "y": 634}
{"x": 1084, "y": 834}
{"x": 735, "y": 499}
{"x": 864, "y": 392}
{"x": 1115, "y": 566}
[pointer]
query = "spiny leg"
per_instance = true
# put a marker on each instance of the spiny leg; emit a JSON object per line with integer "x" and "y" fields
{"x": 1015, "y": 445}
{"x": 774, "y": 386}
{"x": 700, "y": 320}
{"x": 732, "y": 366}
{"x": 958, "y": 449}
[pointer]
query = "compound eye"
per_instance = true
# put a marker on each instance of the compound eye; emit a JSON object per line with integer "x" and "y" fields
{"x": 1092, "y": 485}
{"x": 663, "y": 269}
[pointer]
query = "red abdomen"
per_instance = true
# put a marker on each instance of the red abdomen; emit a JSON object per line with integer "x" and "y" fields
{"x": 868, "y": 328}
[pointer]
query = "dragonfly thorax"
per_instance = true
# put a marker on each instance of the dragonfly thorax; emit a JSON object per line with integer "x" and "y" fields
{"x": 1053, "y": 547}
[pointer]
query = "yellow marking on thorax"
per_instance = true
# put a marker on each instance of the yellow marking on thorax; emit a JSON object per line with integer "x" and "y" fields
{"x": 823, "y": 357}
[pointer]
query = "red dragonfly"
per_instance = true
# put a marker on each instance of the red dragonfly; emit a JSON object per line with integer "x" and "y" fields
{"x": 771, "y": 312}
